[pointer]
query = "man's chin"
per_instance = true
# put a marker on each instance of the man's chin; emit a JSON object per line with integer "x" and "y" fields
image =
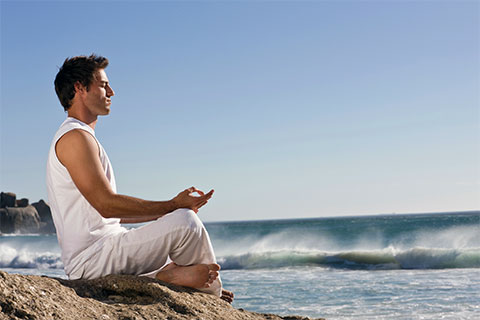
{"x": 105, "y": 113}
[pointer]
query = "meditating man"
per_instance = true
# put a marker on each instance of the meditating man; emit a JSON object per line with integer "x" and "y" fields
{"x": 174, "y": 247}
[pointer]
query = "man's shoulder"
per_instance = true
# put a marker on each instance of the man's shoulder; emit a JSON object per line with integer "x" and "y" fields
{"x": 76, "y": 136}
{"x": 75, "y": 142}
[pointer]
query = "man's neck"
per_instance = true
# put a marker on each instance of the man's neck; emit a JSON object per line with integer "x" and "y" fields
{"x": 91, "y": 121}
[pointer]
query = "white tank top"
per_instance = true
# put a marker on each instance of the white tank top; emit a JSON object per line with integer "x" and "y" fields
{"x": 81, "y": 230}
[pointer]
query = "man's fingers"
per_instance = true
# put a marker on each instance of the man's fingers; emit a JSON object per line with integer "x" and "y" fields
{"x": 200, "y": 192}
{"x": 201, "y": 204}
{"x": 193, "y": 190}
{"x": 195, "y": 202}
{"x": 209, "y": 194}
{"x": 204, "y": 199}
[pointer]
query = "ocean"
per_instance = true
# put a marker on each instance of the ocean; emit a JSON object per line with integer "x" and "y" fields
{"x": 415, "y": 266}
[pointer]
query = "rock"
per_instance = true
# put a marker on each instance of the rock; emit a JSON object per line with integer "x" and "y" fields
{"x": 7, "y": 199}
{"x": 3, "y": 224}
{"x": 24, "y": 221}
{"x": 45, "y": 214}
{"x": 19, "y": 220}
{"x": 112, "y": 297}
{"x": 22, "y": 203}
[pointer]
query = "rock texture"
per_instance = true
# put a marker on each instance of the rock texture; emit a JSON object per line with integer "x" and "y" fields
{"x": 19, "y": 220}
{"x": 111, "y": 297}
{"x": 45, "y": 214}
{"x": 17, "y": 216}
{"x": 7, "y": 199}
{"x": 22, "y": 203}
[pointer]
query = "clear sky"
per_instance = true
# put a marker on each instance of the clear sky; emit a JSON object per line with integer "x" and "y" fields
{"x": 286, "y": 109}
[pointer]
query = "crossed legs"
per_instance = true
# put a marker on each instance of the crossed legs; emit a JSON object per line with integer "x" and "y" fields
{"x": 180, "y": 236}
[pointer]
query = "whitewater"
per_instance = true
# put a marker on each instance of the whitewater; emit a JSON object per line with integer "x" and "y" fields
{"x": 415, "y": 266}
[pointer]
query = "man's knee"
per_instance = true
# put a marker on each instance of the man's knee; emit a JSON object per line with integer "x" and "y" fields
{"x": 186, "y": 218}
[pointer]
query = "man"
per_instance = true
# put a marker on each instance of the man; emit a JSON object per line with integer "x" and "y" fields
{"x": 87, "y": 211}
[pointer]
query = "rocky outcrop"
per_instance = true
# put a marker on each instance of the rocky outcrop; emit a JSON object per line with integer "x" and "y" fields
{"x": 17, "y": 216}
{"x": 45, "y": 216}
{"x": 7, "y": 199}
{"x": 111, "y": 297}
{"x": 19, "y": 220}
{"x": 22, "y": 203}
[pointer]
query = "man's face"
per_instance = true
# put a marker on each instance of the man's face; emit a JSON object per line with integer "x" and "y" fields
{"x": 97, "y": 98}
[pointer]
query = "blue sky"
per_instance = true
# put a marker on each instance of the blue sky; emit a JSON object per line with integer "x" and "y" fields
{"x": 286, "y": 109}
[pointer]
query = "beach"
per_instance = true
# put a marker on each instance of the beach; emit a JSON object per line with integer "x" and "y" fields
{"x": 415, "y": 266}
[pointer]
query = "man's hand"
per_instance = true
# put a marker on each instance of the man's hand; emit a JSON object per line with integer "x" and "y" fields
{"x": 185, "y": 199}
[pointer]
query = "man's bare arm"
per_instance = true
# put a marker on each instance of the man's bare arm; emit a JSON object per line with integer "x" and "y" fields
{"x": 136, "y": 220}
{"x": 78, "y": 151}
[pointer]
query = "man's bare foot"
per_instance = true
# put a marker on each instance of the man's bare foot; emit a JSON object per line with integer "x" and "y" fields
{"x": 227, "y": 296}
{"x": 196, "y": 276}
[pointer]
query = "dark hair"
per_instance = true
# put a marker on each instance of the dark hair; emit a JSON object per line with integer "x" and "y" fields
{"x": 77, "y": 69}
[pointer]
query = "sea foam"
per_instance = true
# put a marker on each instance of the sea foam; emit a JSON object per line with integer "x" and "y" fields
{"x": 386, "y": 259}
{"x": 23, "y": 258}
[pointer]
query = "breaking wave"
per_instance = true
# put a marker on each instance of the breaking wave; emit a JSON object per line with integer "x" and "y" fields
{"x": 23, "y": 258}
{"x": 385, "y": 259}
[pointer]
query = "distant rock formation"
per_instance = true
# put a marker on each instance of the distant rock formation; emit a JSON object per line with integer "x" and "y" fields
{"x": 19, "y": 220}
{"x": 112, "y": 297}
{"x": 45, "y": 216}
{"x": 18, "y": 216}
{"x": 22, "y": 203}
{"x": 7, "y": 199}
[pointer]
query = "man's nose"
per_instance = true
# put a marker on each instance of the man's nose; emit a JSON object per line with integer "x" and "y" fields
{"x": 110, "y": 92}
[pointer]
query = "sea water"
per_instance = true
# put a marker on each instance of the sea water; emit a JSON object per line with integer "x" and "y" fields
{"x": 416, "y": 266}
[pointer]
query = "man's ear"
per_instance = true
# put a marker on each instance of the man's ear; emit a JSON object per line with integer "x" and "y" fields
{"x": 79, "y": 88}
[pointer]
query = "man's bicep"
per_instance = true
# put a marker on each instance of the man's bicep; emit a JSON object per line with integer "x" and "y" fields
{"x": 78, "y": 151}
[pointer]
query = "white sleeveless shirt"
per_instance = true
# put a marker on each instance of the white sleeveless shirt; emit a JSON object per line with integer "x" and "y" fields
{"x": 81, "y": 230}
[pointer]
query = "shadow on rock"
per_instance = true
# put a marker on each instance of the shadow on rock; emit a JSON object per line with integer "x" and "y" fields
{"x": 129, "y": 290}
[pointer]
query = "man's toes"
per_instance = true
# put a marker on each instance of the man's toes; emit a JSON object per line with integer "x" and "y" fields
{"x": 227, "y": 298}
{"x": 227, "y": 293}
{"x": 213, "y": 267}
{"x": 212, "y": 277}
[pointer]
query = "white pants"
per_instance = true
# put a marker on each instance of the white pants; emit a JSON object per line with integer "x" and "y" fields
{"x": 179, "y": 235}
